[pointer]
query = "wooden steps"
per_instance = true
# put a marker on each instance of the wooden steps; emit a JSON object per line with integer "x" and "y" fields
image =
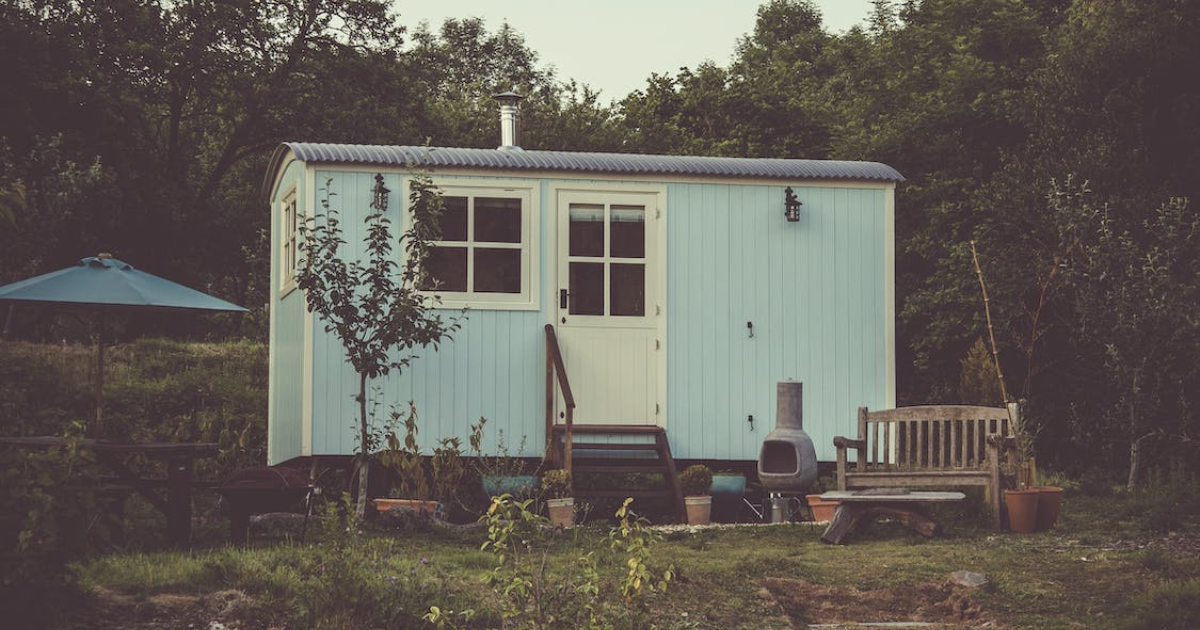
{"x": 593, "y": 457}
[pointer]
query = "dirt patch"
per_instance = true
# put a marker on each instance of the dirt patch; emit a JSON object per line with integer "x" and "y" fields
{"x": 222, "y": 610}
{"x": 947, "y": 603}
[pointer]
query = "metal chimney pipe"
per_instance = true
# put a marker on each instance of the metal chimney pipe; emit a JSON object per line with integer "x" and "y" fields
{"x": 510, "y": 120}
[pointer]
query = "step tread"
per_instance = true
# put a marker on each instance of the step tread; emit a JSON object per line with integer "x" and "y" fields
{"x": 604, "y": 446}
{"x": 614, "y": 429}
{"x": 651, "y": 466}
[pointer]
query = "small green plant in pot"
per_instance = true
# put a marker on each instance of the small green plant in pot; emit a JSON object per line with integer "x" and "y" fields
{"x": 696, "y": 481}
{"x": 501, "y": 474}
{"x": 404, "y": 459}
{"x": 559, "y": 502}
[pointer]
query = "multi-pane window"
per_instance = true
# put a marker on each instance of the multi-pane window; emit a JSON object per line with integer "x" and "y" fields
{"x": 483, "y": 256}
{"x": 607, "y": 259}
{"x": 289, "y": 241}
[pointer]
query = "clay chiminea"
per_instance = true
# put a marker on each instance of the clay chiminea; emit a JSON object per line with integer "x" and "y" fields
{"x": 787, "y": 461}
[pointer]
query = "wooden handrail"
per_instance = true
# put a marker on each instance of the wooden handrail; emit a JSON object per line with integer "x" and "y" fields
{"x": 555, "y": 367}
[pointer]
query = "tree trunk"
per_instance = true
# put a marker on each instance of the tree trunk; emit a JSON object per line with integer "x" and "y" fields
{"x": 364, "y": 450}
{"x": 1135, "y": 462}
{"x": 1135, "y": 447}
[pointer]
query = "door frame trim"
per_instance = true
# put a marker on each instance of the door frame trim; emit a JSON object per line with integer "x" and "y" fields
{"x": 550, "y": 226}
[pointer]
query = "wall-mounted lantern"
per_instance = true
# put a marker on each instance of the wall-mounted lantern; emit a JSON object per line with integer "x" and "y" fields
{"x": 380, "y": 202}
{"x": 791, "y": 206}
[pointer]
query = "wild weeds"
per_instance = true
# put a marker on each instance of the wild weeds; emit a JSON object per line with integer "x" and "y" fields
{"x": 536, "y": 590}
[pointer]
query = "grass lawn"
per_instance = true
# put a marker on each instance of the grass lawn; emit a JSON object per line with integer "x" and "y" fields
{"x": 1101, "y": 568}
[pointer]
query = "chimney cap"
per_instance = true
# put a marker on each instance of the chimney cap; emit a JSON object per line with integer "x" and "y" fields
{"x": 508, "y": 97}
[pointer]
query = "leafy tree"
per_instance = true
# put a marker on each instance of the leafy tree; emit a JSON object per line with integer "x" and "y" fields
{"x": 1133, "y": 284}
{"x": 374, "y": 306}
{"x": 181, "y": 103}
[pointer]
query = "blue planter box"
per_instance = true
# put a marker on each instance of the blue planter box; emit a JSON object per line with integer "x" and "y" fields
{"x": 520, "y": 486}
{"x": 727, "y": 492}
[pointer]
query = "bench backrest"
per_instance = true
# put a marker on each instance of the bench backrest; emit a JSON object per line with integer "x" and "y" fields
{"x": 930, "y": 437}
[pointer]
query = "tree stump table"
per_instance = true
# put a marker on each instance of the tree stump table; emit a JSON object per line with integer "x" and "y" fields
{"x": 906, "y": 507}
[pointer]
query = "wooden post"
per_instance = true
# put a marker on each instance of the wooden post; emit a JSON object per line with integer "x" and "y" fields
{"x": 862, "y": 435}
{"x": 841, "y": 465}
{"x": 569, "y": 438}
{"x": 551, "y": 440}
{"x": 993, "y": 489}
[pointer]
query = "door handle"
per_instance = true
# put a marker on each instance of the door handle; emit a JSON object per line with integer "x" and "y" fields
{"x": 562, "y": 298}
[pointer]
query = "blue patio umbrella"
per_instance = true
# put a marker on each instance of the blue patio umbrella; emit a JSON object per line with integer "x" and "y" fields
{"x": 102, "y": 284}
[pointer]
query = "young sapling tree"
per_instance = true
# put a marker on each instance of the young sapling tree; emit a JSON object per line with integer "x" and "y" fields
{"x": 374, "y": 304}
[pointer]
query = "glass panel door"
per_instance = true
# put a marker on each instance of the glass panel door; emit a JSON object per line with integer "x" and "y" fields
{"x": 608, "y": 324}
{"x": 606, "y": 259}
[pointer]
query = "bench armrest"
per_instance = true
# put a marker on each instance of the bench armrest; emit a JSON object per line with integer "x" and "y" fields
{"x": 843, "y": 443}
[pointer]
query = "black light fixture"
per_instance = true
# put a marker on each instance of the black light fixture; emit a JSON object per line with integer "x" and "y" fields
{"x": 791, "y": 205}
{"x": 381, "y": 194}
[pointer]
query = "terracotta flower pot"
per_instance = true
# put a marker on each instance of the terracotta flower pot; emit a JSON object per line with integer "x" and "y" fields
{"x": 822, "y": 510}
{"x": 420, "y": 506}
{"x": 562, "y": 512}
{"x": 1022, "y": 510}
{"x": 1049, "y": 500}
{"x": 699, "y": 510}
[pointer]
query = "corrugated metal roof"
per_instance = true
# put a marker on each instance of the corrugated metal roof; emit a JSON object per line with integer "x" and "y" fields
{"x": 572, "y": 162}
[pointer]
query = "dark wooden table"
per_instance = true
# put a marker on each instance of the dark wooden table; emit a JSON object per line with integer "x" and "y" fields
{"x": 855, "y": 507}
{"x": 179, "y": 458}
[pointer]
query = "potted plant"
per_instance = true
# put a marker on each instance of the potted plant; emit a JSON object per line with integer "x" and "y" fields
{"x": 1021, "y": 502}
{"x": 696, "y": 481}
{"x": 501, "y": 474}
{"x": 822, "y": 509}
{"x": 559, "y": 502}
{"x": 404, "y": 460}
{"x": 448, "y": 471}
{"x": 727, "y": 491}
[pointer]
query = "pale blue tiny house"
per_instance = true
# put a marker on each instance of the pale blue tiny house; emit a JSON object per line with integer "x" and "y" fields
{"x": 676, "y": 287}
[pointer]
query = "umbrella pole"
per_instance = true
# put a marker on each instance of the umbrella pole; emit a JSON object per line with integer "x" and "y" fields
{"x": 96, "y": 429}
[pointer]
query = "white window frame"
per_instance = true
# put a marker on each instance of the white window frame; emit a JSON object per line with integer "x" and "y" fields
{"x": 529, "y": 297}
{"x": 289, "y": 241}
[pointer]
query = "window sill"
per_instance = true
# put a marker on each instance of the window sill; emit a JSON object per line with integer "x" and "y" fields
{"x": 455, "y": 303}
{"x": 287, "y": 289}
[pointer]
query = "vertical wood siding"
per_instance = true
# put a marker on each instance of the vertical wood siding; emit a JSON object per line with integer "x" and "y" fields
{"x": 286, "y": 391}
{"x": 813, "y": 291}
{"x": 493, "y": 367}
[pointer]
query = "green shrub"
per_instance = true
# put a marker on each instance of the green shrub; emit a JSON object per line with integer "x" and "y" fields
{"x": 696, "y": 480}
{"x": 49, "y": 519}
{"x": 155, "y": 390}
{"x": 556, "y": 483}
{"x": 1169, "y": 502}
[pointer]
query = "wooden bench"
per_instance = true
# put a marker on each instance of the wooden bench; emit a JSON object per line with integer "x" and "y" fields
{"x": 930, "y": 445}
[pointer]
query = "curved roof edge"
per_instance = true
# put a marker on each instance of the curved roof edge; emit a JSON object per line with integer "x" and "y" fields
{"x": 572, "y": 162}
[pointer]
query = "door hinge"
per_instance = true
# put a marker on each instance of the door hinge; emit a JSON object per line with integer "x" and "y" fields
{"x": 657, "y": 409}
{"x": 658, "y": 309}
{"x": 657, "y": 213}
{"x": 657, "y": 344}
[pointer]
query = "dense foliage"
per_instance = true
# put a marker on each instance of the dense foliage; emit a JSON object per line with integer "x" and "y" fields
{"x": 1060, "y": 135}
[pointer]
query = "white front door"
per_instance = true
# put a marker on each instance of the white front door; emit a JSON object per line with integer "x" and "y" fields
{"x": 609, "y": 315}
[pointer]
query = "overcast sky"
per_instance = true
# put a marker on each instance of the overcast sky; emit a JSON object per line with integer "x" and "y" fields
{"x": 615, "y": 45}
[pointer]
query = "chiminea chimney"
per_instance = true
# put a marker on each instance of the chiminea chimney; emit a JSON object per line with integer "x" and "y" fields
{"x": 510, "y": 120}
